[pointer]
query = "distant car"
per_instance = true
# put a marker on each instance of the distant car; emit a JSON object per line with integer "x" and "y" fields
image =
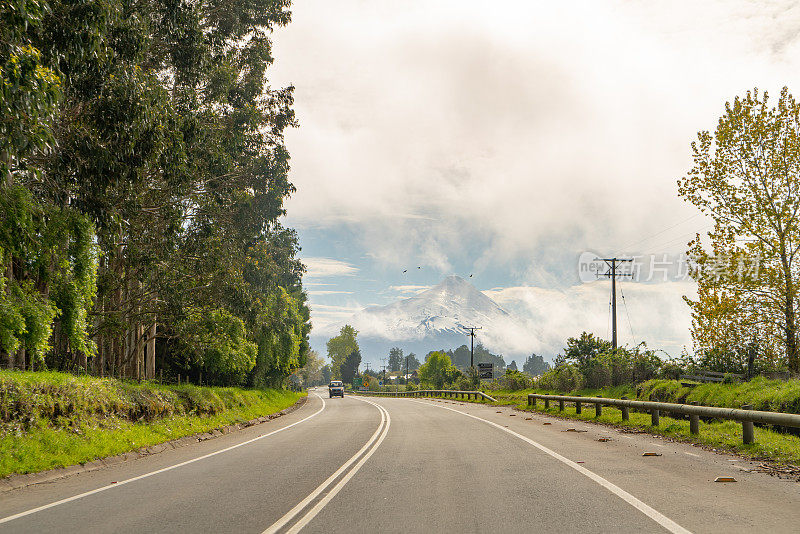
{"x": 336, "y": 388}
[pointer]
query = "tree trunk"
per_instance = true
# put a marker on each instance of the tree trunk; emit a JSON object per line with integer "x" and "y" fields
{"x": 139, "y": 350}
{"x": 151, "y": 351}
{"x": 790, "y": 329}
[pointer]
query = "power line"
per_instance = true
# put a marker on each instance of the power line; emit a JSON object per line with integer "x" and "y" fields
{"x": 662, "y": 231}
{"x": 625, "y": 303}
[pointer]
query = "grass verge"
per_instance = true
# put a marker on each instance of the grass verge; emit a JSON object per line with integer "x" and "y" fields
{"x": 50, "y": 420}
{"x": 724, "y": 435}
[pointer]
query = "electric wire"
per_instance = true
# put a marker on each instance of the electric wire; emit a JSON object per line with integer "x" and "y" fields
{"x": 625, "y": 303}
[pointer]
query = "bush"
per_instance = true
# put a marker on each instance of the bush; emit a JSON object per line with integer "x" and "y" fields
{"x": 565, "y": 377}
{"x": 514, "y": 381}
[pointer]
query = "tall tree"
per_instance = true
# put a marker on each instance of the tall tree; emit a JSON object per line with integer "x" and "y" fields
{"x": 535, "y": 365}
{"x": 146, "y": 134}
{"x": 746, "y": 178}
{"x": 396, "y": 362}
{"x": 349, "y": 367}
{"x": 340, "y": 347}
{"x": 413, "y": 362}
{"x": 438, "y": 370}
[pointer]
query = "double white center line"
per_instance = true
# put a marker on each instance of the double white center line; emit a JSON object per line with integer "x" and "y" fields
{"x": 364, "y": 454}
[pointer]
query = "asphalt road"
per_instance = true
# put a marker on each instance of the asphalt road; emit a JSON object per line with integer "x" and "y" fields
{"x": 408, "y": 465}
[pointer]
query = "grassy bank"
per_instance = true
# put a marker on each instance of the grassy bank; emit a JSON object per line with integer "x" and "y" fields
{"x": 763, "y": 394}
{"x": 50, "y": 419}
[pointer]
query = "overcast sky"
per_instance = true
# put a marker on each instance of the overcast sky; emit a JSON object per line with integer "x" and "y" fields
{"x": 505, "y": 139}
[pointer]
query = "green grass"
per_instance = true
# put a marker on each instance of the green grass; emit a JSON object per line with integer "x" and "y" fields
{"x": 726, "y": 435}
{"x": 761, "y": 393}
{"x": 50, "y": 420}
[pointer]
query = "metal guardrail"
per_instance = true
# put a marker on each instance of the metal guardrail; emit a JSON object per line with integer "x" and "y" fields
{"x": 443, "y": 393}
{"x": 746, "y": 415}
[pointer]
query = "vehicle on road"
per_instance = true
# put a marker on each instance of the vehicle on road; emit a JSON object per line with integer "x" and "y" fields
{"x": 336, "y": 389}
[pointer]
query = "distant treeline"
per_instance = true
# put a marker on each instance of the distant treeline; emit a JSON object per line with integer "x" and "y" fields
{"x": 142, "y": 178}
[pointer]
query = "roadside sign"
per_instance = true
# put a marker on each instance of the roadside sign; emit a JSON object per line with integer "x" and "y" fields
{"x": 357, "y": 382}
{"x": 485, "y": 370}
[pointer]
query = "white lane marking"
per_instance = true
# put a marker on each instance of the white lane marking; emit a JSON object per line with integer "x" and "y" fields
{"x": 692, "y": 454}
{"x": 280, "y": 523}
{"x": 297, "y": 527}
{"x": 656, "y": 444}
{"x": 652, "y": 513}
{"x": 162, "y": 470}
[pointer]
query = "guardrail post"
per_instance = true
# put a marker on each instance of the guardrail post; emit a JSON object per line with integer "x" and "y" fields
{"x": 625, "y": 413}
{"x": 598, "y": 409}
{"x": 654, "y": 420}
{"x": 747, "y": 428}
{"x": 578, "y": 407}
{"x": 694, "y": 421}
{"x": 546, "y": 403}
{"x": 561, "y": 405}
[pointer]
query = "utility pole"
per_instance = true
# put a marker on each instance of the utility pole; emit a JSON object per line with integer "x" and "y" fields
{"x": 612, "y": 273}
{"x": 384, "y": 370}
{"x": 407, "y": 373}
{"x": 471, "y": 336}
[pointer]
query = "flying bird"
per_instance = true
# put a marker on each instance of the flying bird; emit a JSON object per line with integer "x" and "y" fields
{"x": 470, "y": 276}
{"x": 419, "y": 267}
{"x": 405, "y": 270}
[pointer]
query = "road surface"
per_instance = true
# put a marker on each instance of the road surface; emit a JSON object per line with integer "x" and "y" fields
{"x": 413, "y": 465}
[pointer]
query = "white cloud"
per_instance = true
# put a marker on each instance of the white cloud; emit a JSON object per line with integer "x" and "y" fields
{"x": 409, "y": 289}
{"x": 326, "y": 319}
{"x": 456, "y": 133}
{"x": 324, "y": 267}
{"x": 323, "y": 292}
{"x": 534, "y": 126}
{"x": 654, "y": 313}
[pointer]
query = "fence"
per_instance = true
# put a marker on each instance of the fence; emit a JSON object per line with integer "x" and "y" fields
{"x": 443, "y": 393}
{"x": 746, "y": 415}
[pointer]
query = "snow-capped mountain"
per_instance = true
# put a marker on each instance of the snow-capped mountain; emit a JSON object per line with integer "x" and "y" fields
{"x": 443, "y": 309}
{"x": 433, "y": 320}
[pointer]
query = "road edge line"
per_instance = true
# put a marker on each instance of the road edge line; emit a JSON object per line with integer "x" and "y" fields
{"x": 156, "y": 472}
{"x": 647, "y": 510}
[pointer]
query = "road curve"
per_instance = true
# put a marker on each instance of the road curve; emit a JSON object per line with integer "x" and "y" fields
{"x": 406, "y": 465}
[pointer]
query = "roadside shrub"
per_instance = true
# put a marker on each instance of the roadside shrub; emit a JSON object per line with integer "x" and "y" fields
{"x": 514, "y": 381}
{"x": 565, "y": 377}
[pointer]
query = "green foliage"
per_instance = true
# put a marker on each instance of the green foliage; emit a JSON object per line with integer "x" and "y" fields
{"x": 413, "y": 362}
{"x": 599, "y": 366}
{"x": 396, "y": 360}
{"x": 535, "y": 365}
{"x": 515, "y": 380}
{"x": 326, "y": 374}
{"x": 29, "y": 88}
{"x": 565, "y": 377}
{"x": 50, "y": 419}
{"x": 142, "y": 177}
{"x": 54, "y": 262}
{"x": 438, "y": 370}
{"x": 217, "y": 341}
{"x": 349, "y": 367}
{"x": 340, "y": 347}
{"x": 461, "y": 357}
{"x": 745, "y": 177}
